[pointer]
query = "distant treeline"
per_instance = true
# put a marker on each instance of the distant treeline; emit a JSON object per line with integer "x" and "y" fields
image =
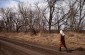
{"x": 28, "y": 18}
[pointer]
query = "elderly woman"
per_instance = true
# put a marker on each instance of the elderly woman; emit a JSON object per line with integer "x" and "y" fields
{"x": 62, "y": 40}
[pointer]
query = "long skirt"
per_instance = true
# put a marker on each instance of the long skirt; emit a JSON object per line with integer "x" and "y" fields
{"x": 62, "y": 41}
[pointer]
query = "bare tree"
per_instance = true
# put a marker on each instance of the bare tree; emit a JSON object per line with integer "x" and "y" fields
{"x": 51, "y": 5}
{"x": 81, "y": 13}
{"x": 7, "y": 17}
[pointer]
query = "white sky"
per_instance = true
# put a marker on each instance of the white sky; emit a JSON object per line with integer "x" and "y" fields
{"x": 12, "y": 3}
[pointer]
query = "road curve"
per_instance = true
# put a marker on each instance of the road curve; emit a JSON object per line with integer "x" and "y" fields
{"x": 19, "y": 48}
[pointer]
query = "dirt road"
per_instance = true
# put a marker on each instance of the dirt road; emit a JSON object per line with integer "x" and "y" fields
{"x": 13, "y": 47}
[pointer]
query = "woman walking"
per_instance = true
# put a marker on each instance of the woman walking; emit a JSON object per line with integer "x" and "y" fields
{"x": 62, "y": 40}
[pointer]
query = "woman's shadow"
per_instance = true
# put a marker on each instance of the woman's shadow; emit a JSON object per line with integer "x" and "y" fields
{"x": 76, "y": 49}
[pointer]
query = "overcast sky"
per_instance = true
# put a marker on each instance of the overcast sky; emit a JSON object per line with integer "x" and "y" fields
{"x": 11, "y": 3}
{"x": 42, "y": 3}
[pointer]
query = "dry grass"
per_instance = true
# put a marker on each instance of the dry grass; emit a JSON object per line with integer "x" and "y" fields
{"x": 72, "y": 39}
